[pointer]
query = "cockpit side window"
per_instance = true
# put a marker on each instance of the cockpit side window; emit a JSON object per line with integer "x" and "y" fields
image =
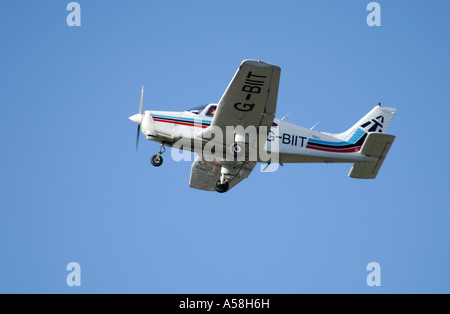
{"x": 197, "y": 110}
{"x": 211, "y": 111}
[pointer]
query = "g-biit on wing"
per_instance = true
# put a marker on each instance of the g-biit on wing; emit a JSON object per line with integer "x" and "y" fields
{"x": 231, "y": 136}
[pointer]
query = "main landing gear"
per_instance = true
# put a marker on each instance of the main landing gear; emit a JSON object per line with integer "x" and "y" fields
{"x": 221, "y": 188}
{"x": 227, "y": 173}
{"x": 157, "y": 159}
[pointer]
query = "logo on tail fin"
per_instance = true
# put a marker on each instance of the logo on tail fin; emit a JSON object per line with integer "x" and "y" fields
{"x": 376, "y": 125}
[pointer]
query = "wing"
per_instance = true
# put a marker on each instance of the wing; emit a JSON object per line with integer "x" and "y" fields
{"x": 250, "y": 99}
{"x": 204, "y": 174}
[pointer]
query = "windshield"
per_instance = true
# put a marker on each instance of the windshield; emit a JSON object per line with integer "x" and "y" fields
{"x": 198, "y": 109}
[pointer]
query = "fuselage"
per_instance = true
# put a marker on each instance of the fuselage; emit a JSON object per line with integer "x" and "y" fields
{"x": 292, "y": 143}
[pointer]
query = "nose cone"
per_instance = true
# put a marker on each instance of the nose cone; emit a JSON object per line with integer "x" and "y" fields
{"x": 137, "y": 118}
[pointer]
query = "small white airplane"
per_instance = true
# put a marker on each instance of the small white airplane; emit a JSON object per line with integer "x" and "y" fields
{"x": 250, "y": 101}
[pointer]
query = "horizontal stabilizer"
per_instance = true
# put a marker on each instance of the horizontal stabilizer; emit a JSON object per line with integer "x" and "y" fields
{"x": 376, "y": 145}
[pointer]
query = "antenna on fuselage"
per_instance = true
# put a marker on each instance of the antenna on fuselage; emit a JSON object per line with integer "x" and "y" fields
{"x": 316, "y": 125}
{"x": 285, "y": 116}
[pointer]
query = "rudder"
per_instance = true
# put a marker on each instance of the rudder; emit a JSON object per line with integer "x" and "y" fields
{"x": 377, "y": 120}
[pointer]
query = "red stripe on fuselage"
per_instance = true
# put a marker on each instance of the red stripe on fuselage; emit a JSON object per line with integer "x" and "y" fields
{"x": 182, "y": 123}
{"x": 331, "y": 150}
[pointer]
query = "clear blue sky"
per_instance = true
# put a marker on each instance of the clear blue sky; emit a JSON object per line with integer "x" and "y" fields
{"x": 73, "y": 189}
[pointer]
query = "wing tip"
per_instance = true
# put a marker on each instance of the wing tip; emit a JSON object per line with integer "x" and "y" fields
{"x": 258, "y": 64}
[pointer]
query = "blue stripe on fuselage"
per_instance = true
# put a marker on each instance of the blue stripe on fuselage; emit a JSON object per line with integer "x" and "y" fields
{"x": 183, "y": 119}
{"x": 356, "y": 136}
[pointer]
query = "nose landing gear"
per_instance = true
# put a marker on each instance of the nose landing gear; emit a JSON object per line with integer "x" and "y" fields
{"x": 157, "y": 160}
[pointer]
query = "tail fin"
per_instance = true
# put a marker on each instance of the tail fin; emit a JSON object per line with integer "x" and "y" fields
{"x": 377, "y": 120}
{"x": 376, "y": 143}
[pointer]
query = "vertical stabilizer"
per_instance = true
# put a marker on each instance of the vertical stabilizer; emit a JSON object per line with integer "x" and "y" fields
{"x": 377, "y": 120}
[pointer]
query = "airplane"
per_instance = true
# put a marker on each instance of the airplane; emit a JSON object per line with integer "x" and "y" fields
{"x": 250, "y": 102}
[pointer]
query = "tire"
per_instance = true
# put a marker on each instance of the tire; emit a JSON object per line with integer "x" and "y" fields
{"x": 237, "y": 149}
{"x": 221, "y": 188}
{"x": 156, "y": 160}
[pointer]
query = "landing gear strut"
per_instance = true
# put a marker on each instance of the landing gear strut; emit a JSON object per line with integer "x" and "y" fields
{"x": 227, "y": 173}
{"x": 157, "y": 159}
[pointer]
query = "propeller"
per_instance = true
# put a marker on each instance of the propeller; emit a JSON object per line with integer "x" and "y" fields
{"x": 137, "y": 118}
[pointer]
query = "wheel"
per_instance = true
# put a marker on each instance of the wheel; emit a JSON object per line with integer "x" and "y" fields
{"x": 237, "y": 149}
{"x": 221, "y": 188}
{"x": 156, "y": 160}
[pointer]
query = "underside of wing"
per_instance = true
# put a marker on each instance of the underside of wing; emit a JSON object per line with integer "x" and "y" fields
{"x": 250, "y": 99}
{"x": 205, "y": 174}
